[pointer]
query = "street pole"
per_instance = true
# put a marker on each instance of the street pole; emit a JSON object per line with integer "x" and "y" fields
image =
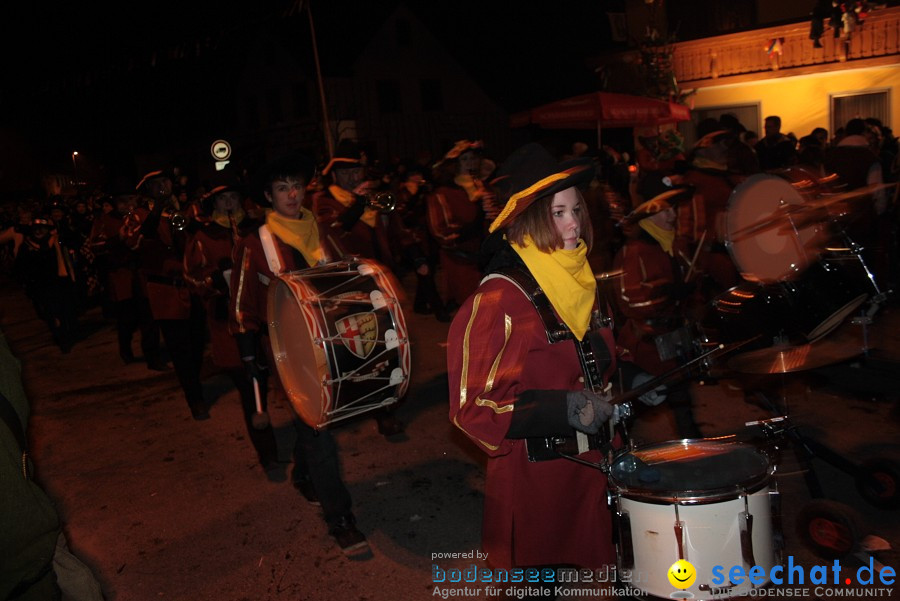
{"x": 75, "y": 166}
{"x": 329, "y": 143}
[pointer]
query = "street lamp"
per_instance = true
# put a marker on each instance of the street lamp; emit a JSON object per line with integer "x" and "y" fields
{"x": 75, "y": 165}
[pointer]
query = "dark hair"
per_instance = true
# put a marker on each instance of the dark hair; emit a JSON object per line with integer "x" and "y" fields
{"x": 537, "y": 221}
{"x": 855, "y": 127}
{"x": 774, "y": 119}
{"x": 293, "y": 166}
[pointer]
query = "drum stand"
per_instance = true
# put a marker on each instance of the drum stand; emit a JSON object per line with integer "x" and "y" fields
{"x": 830, "y": 529}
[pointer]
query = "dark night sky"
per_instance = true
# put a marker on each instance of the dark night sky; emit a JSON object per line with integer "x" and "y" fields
{"x": 82, "y": 71}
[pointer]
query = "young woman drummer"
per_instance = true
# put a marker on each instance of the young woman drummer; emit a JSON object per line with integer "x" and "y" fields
{"x": 510, "y": 385}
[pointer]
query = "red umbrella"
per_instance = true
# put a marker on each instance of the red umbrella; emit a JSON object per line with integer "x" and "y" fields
{"x": 602, "y": 109}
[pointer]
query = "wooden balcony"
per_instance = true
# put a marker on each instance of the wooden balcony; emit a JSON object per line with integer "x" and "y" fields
{"x": 740, "y": 57}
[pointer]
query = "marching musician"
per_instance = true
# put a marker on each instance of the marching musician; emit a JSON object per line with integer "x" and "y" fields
{"x": 117, "y": 265}
{"x": 457, "y": 212}
{"x": 207, "y": 268}
{"x": 351, "y": 226}
{"x": 653, "y": 294}
{"x": 289, "y": 240}
{"x": 515, "y": 373}
{"x": 160, "y": 235}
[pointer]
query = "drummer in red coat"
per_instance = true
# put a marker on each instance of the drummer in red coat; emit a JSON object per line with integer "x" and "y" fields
{"x": 207, "y": 268}
{"x": 510, "y": 383}
{"x": 653, "y": 294}
{"x": 289, "y": 240}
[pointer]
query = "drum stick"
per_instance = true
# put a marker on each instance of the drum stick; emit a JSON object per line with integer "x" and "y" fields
{"x": 260, "y": 419}
{"x": 690, "y": 270}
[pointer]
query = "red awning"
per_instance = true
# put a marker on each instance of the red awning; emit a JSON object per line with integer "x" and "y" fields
{"x": 602, "y": 109}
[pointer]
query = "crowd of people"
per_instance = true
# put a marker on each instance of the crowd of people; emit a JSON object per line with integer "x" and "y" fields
{"x": 523, "y": 258}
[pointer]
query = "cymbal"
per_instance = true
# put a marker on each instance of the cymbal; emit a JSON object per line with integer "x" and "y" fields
{"x": 826, "y": 200}
{"x": 786, "y": 358}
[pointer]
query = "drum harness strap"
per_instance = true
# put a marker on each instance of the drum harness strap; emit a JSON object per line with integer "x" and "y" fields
{"x": 272, "y": 258}
{"x": 594, "y": 359}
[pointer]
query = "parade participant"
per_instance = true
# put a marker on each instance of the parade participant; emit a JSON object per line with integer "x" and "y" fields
{"x": 511, "y": 379}
{"x": 350, "y": 226}
{"x": 43, "y": 267}
{"x": 290, "y": 240}
{"x": 117, "y": 269}
{"x": 652, "y": 292}
{"x": 414, "y": 245}
{"x": 160, "y": 237}
{"x": 701, "y": 221}
{"x": 208, "y": 267}
{"x": 457, "y": 218}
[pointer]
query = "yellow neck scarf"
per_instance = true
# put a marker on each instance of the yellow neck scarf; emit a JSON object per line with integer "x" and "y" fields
{"x": 664, "y": 237}
{"x": 566, "y": 278}
{"x": 302, "y": 234}
{"x": 225, "y": 220}
{"x": 347, "y": 198}
{"x": 467, "y": 183}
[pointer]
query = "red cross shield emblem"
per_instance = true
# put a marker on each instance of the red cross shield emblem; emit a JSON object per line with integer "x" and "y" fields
{"x": 358, "y": 333}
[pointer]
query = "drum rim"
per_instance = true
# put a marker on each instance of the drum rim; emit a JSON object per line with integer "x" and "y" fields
{"x": 691, "y": 496}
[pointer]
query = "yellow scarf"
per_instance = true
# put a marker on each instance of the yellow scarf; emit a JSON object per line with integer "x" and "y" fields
{"x": 302, "y": 234}
{"x": 566, "y": 278}
{"x": 225, "y": 221}
{"x": 468, "y": 183}
{"x": 664, "y": 237}
{"x": 347, "y": 198}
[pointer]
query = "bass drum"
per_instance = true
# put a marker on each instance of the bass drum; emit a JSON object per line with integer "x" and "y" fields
{"x": 339, "y": 340}
{"x": 769, "y": 237}
{"x": 709, "y": 502}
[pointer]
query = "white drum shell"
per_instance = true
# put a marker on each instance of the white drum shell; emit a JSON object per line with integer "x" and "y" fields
{"x": 712, "y": 536}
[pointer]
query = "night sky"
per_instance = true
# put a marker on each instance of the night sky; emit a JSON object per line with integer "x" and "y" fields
{"x": 85, "y": 73}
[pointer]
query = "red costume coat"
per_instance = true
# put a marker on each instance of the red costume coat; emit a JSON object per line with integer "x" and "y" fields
{"x": 161, "y": 253}
{"x": 106, "y": 239}
{"x": 645, "y": 299}
{"x": 550, "y": 512}
{"x": 457, "y": 224}
{"x": 208, "y": 256}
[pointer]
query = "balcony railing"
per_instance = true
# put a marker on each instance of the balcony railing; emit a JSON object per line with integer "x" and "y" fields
{"x": 707, "y": 61}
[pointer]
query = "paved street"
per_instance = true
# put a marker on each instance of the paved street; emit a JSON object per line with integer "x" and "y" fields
{"x": 164, "y": 507}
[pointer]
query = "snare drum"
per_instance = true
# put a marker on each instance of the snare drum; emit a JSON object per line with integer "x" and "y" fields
{"x": 707, "y": 502}
{"x": 339, "y": 340}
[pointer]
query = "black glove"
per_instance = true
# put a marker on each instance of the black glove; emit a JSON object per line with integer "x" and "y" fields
{"x": 587, "y": 410}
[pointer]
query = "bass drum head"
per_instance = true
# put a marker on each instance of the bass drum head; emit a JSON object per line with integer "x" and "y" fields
{"x": 339, "y": 339}
{"x": 759, "y": 233}
{"x": 302, "y": 366}
{"x": 690, "y": 471}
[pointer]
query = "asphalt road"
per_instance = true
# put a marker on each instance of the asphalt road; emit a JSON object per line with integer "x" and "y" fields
{"x": 164, "y": 507}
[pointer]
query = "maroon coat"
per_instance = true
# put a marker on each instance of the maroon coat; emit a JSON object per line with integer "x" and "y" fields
{"x": 550, "y": 512}
{"x": 161, "y": 254}
{"x": 113, "y": 256}
{"x": 457, "y": 224}
{"x": 644, "y": 294}
{"x": 206, "y": 262}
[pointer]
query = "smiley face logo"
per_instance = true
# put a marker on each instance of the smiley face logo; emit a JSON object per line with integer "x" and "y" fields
{"x": 682, "y": 574}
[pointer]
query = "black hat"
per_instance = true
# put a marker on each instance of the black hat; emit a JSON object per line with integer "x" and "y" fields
{"x": 531, "y": 173}
{"x": 667, "y": 198}
{"x": 220, "y": 182}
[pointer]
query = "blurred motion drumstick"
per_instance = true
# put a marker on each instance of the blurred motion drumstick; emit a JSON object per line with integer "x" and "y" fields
{"x": 693, "y": 262}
